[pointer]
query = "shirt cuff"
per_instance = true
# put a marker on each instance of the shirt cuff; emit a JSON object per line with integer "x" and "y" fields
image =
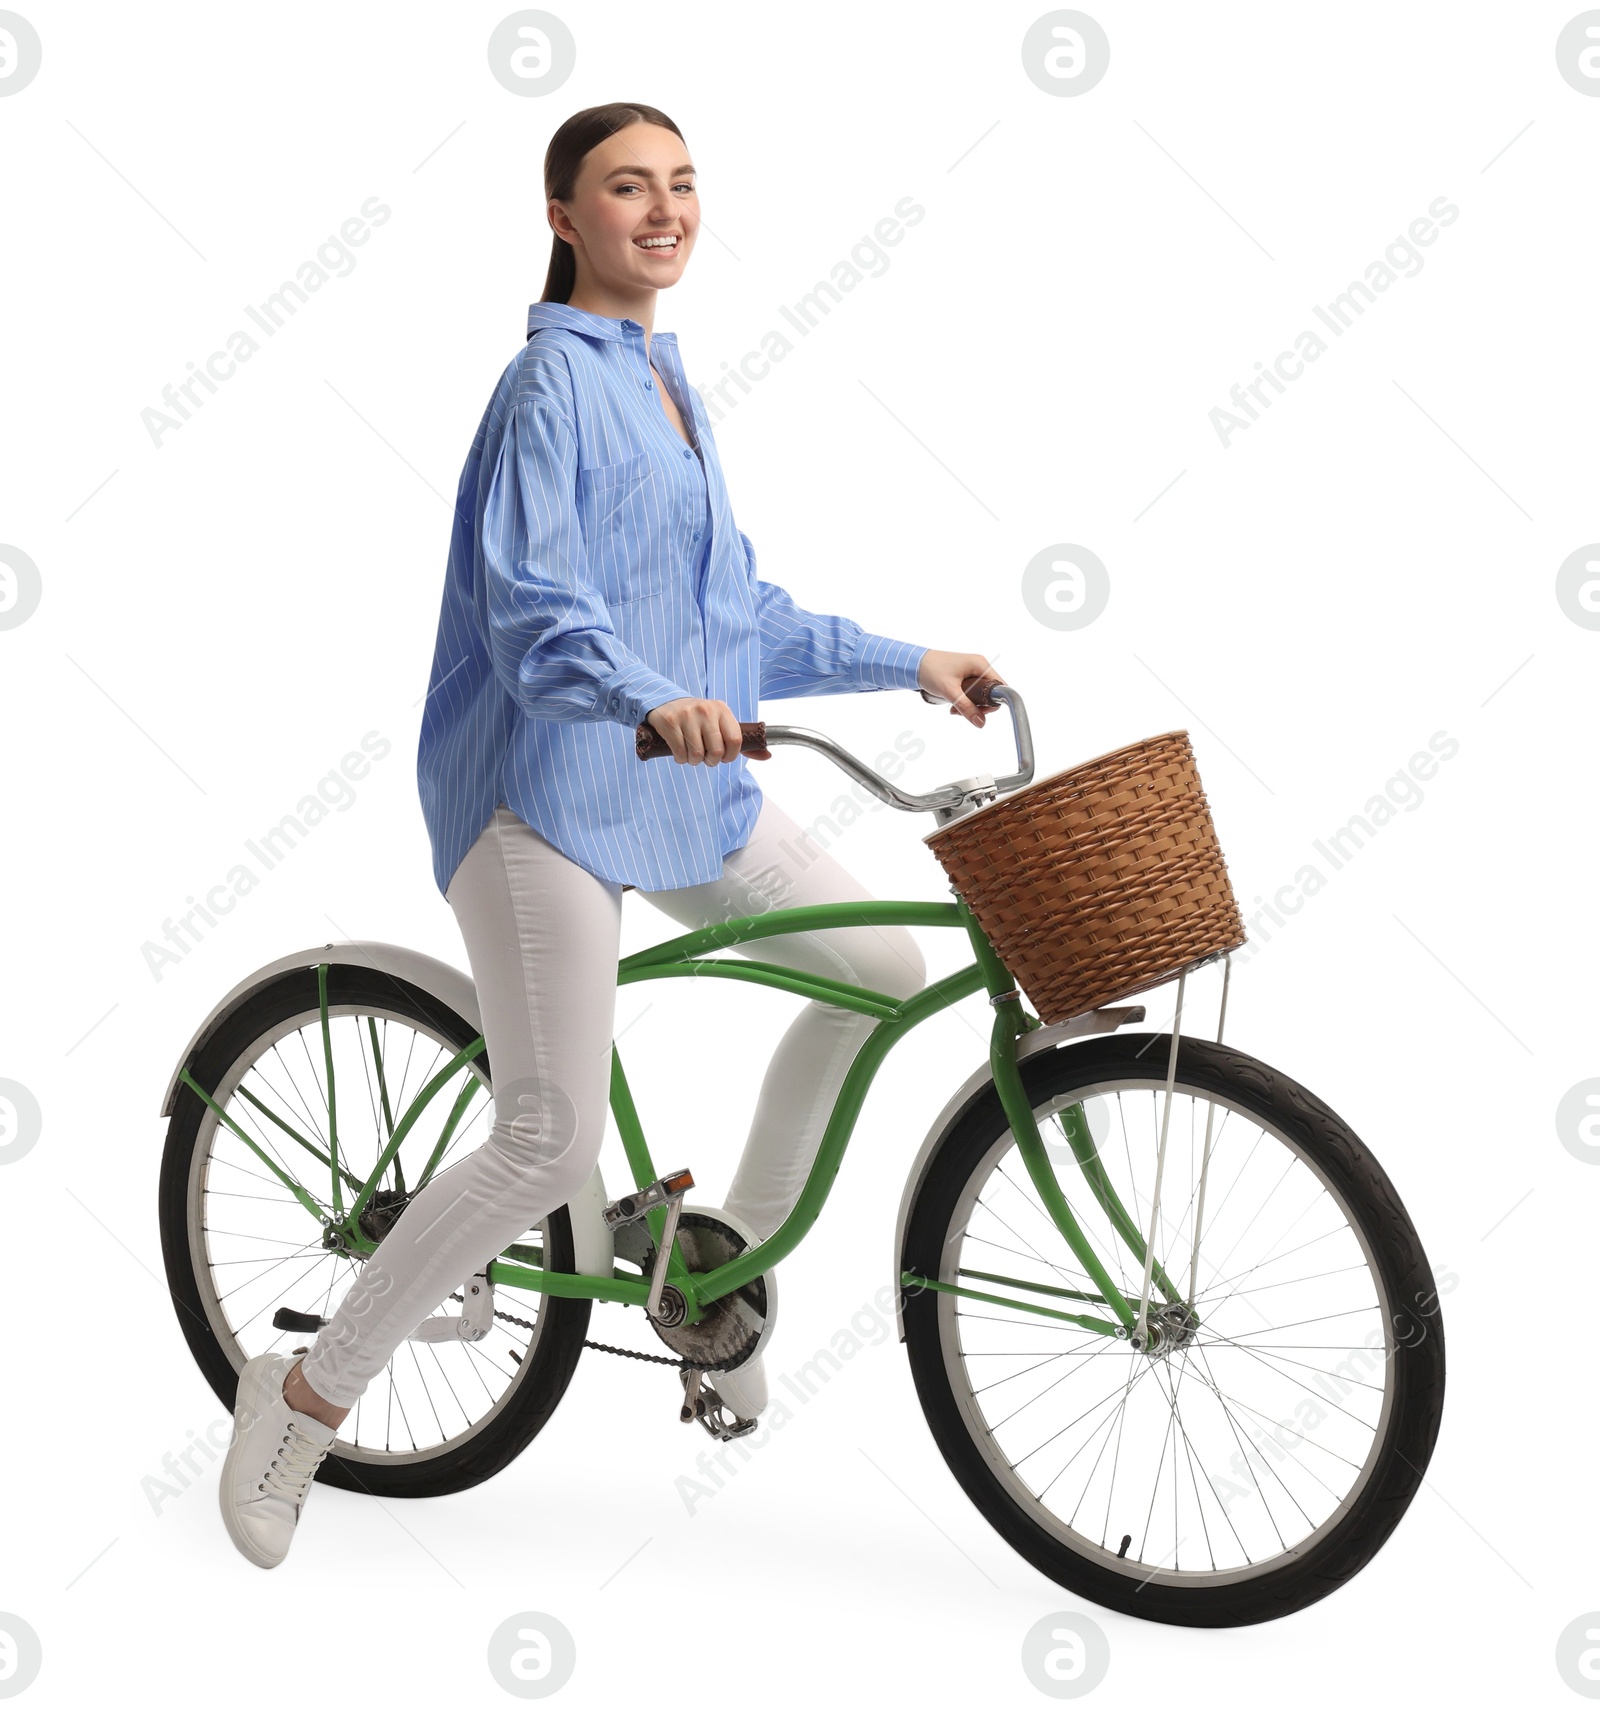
{"x": 882, "y": 663}
{"x": 632, "y": 692}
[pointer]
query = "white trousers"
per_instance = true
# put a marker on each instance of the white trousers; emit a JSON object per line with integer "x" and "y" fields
{"x": 543, "y": 937}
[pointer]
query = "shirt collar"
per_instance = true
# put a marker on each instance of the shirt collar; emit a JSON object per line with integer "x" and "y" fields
{"x": 591, "y": 325}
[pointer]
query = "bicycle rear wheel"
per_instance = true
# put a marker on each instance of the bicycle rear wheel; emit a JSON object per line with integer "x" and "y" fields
{"x": 1264, "y": 1452}
{"x": 239, "y": 1245}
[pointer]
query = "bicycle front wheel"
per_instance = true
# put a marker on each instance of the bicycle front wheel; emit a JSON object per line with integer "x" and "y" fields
{"x": 1263, "y": 1449}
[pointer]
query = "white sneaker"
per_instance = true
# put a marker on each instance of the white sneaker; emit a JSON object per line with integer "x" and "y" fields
{"x": 744, "y": 1389}
{"x": 272, "y": 1458}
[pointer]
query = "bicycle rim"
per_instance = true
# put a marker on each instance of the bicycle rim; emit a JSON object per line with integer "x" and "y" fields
{"x": 1242, "y": 1446}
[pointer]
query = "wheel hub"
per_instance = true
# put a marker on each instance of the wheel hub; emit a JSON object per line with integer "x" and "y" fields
{"x": 1170, "y": 1327}
{"x": 382, "y": 1212}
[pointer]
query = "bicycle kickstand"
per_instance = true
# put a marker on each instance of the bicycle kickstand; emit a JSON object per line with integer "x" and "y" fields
{"x": 472, "y": 1323}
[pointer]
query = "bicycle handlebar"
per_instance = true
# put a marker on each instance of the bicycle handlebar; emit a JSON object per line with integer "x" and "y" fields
{"x": 759, "y": 738}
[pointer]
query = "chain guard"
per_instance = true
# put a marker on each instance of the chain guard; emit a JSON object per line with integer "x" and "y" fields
{"x": 734, "y": 1327}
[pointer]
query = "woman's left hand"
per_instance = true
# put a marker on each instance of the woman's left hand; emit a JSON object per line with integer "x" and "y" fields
{"x": 943, "y": 674}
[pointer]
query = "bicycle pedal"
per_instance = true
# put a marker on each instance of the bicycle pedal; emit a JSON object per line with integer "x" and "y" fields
{"x": 286, "y": 1319}
{"x": 628, "y": 1207}
{"x": 702, "y": 1403}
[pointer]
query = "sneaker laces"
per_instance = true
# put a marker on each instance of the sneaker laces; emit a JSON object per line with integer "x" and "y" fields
{"x": 298, "y": 1458}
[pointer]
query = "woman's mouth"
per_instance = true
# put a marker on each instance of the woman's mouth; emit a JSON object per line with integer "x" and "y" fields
{"x": 663, "y": 243}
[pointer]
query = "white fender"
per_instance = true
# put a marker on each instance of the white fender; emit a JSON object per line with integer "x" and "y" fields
{"x": 1037, "y": 1040}
{"x": 592, "y": 1244}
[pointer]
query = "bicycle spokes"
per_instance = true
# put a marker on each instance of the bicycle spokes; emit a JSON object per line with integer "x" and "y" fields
{"x": 1242, "y": 1429}
{"x": 343, "y": 1116}
{"x": 284, "y": 1097}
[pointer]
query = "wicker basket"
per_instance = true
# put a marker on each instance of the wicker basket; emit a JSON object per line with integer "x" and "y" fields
{"x": 1100, "y": 881}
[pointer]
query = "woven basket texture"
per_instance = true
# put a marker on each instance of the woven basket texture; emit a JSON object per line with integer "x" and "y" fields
{"x": 1100, "y": 881}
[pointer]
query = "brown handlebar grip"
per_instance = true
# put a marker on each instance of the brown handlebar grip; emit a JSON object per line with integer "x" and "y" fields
{"x": 966, "y": 689}
{"x": 649, "y": 744}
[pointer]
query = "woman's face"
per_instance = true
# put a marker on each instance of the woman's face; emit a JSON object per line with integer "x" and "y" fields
{"x": 633, "y": 213}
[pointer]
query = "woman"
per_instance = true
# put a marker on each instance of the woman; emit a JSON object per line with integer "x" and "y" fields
{"x": 596, "y": 580}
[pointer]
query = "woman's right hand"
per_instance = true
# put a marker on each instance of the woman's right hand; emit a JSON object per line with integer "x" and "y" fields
{"x": 697, "y": 730}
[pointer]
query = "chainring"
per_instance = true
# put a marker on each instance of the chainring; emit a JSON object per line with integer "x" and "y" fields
{"x": 731, "y": 1326}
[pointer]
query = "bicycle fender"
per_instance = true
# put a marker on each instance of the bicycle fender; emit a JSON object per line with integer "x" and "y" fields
{"x": 592, "y": 1244}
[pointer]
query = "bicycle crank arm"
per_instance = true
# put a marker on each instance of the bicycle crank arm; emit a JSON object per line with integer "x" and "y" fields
{"x": 667, "y": 1191}
{"x": 658, "y": 1273}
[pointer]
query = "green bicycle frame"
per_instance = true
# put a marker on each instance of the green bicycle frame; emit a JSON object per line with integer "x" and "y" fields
{"x": 689, "y": 955}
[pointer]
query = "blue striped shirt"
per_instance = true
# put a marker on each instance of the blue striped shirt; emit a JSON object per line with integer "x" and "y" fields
{"x": 595, "y": 571}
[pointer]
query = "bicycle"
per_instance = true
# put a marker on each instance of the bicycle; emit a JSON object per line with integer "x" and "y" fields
{"x": 1170, "y": 1424}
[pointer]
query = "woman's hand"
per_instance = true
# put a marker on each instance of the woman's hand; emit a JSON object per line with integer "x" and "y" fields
{"x": 942, "y": 674}
{"x": 697, "y": 730}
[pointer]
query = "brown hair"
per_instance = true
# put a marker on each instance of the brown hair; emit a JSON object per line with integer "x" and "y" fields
{"x": 565, "y": 155}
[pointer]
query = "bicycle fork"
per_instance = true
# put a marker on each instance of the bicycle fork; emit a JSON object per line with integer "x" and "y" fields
{"x": 1009, "y": 1024}
{"x": 1132, "y": 1320}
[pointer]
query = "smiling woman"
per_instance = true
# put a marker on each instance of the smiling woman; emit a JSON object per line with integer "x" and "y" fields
{"x": 598, "y": 584}
{"x": 637, "y": 224}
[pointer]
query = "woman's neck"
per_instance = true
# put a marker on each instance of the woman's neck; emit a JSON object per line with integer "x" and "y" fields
{"x": 637, "y": 306}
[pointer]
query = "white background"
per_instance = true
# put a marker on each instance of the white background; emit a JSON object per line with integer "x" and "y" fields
{"x": 1372, "y": 562}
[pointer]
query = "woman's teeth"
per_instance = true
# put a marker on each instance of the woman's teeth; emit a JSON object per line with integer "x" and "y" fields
{"x": 670, "y": 243}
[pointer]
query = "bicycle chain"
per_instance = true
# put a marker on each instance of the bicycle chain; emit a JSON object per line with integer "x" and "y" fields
{"x": 634, "y": 1354}
{"x": 604, "y": 1348}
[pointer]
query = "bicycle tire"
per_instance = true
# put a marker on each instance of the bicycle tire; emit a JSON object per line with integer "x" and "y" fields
{"x": 1417, "y": 1364}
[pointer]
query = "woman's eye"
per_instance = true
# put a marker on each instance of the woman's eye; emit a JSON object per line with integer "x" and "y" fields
{"x": 687, "y": 187}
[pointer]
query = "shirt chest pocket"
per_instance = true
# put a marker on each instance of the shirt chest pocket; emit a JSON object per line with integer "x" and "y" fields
{"x": 624, "y": 508}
